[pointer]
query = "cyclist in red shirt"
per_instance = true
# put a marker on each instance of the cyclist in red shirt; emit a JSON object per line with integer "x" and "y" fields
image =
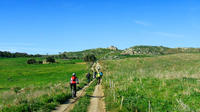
{"x": 73, "y": 82}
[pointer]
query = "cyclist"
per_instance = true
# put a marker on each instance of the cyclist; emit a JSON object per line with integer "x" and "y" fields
{"x": 101, "y": 74}
{"x": 73, "y": 82}
{"x": 88, "y": 77}
{"x": 98, "y": 78}
{"x": 94, "y": 74}
{"x": 98, "y": 68}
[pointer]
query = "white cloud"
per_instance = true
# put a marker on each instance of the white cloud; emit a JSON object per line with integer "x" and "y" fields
{"x": 166, "y": 34}
{"x": 142, "y": 23}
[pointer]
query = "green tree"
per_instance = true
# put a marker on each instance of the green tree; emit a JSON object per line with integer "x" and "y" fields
{"x": 31, "y": 61}
{"x": 90, "y": 58}
{"x": 50, "y": 59}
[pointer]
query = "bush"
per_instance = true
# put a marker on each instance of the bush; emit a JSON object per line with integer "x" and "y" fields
{"x": 31, "y": 61}
{"x": 50, "y": 60}
{"x": 16, "y": 89}
{"x": 90, "y": 58}
{"x": 40, "y": 62}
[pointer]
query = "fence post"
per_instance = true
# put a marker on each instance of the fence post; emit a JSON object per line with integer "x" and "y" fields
{"x": 121, "y": 102}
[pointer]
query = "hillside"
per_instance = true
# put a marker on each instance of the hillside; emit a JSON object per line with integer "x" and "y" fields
{"x": 168, "y": 83}
{"x": 135, "y": 51}
{"x": 152, "y": 50}
{"x": 157, "y": 50}
{"x": 98, "y": 52}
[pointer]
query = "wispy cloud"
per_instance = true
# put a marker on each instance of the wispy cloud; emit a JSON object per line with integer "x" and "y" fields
{"x": 142, "y": 23}
{"x": 166, "y": 34}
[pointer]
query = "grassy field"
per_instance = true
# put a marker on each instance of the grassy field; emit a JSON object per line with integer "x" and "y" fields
{"x": 160, "y": 84}
{"x": 21, "y": 83}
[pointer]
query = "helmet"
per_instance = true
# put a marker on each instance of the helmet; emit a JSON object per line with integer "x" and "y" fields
{"x": 74, "y": 74}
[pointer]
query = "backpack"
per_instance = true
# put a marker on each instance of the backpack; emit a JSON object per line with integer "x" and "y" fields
{"x": 101, "y": 73}
{"x": 98, "y": 75}
{"x": 73, "y": 78}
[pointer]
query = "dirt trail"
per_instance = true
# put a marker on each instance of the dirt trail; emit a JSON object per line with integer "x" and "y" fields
{"x": 97, "y": 99}
{"x": 69, "y": 104}
{"x": 97, "y": 103}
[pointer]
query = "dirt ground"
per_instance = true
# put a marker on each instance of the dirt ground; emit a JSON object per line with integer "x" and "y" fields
{"x": 97, "y": 100}
{"x": 69, "y": 104}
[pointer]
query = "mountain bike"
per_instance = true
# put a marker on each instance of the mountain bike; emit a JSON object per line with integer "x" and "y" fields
{"x": 73, "y": 91}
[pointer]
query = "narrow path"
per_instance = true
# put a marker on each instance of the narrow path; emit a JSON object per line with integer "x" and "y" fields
{"x": 97, "y": 103}
{"x": 69, "y": 104}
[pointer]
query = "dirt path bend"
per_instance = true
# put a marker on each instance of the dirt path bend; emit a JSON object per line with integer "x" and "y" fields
{"x": 97, "y": 103}
{"x": 69, "y": 104}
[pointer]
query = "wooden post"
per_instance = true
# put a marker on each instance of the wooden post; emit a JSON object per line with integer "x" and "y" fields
{"x": 110, "y": 83}
{"x": 149, "y": 106}
{"x": 121, "y": 102}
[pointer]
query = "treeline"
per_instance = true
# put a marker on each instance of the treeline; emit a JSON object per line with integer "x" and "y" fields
{"x": 8, "y": 54}
{"x": 98, "y": 52}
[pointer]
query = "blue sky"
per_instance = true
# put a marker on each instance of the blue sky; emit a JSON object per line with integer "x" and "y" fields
{"x": 52, "y": 26}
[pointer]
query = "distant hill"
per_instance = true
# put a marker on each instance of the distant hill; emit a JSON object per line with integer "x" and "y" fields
{"x": 98, "y": 52}
{"x": 113, "y": 52}
{"x": 157, "y": 50}
{"x": 151, "y": 50}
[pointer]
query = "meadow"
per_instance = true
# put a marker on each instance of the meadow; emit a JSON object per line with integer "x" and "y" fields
{"x": 168, "y": 83}
{"x": 46, "y": 85}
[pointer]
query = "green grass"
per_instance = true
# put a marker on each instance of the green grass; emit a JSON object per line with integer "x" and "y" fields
{"x": 84, "y": 101}
{"x": 38, "y": 83}
{"x": 160, "y": 83}
{"x": 15, "y": 72}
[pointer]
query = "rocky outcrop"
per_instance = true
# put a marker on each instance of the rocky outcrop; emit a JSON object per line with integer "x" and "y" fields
{"x": 145, "y": 50}
{"x": 113, "y": 48}
{"x": 128, "y": 52}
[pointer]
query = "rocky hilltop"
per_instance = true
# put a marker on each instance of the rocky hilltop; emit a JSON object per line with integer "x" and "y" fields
{"x": 137, "y": 50}
{"x": 112, "y": 48}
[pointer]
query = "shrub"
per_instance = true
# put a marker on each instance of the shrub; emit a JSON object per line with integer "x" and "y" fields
{"x": 31, "y": 61}
{"x": 16, "y": 89}
{"x": 50, "y": 60}
{"x": 90, "y": 58}
{"x": 40, "y": 62}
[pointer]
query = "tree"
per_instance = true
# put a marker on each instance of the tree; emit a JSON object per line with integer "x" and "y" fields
{"x": 17, "y": 54}
{"x": 31, "y": 61}
{"x": 40, "y": 62}
{"x": 50, "y": 59}
{"x": 90, "y": 58}
{"x": 63, "y": 56}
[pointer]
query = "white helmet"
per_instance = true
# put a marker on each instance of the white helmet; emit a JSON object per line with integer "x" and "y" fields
{"x": 74, "y": 74}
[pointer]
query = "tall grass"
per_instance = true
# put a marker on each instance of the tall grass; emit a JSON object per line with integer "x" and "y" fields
{"x": 163, "y": 83}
